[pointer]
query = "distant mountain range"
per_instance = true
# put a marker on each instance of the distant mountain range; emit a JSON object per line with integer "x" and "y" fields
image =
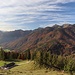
{"x": 57, "y": 39}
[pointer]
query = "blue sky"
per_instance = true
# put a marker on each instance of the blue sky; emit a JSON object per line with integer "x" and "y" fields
{"x": 31, "y": 14}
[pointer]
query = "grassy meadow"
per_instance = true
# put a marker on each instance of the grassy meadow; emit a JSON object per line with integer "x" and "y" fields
{"x": 29, "y": 68}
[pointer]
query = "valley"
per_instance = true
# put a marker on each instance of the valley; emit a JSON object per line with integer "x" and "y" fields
{"x": 47, "y": 51}
{"x": 37, "y": 37}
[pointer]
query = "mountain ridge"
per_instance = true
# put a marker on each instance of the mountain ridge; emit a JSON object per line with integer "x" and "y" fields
{"x": 57, "y": 39}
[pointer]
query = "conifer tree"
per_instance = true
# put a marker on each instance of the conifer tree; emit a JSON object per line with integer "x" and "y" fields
{"x": 2, "y": 54}
{"x": 28, "y": 54}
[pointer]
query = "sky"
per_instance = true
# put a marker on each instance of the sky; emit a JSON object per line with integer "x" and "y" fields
{"x": 32, "y": 14}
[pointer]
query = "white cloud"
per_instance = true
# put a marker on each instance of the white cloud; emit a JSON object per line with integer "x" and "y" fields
{"x": 7, "y": 27}
{"x": 17, "y": 12}
{"x": 64, "y": 1}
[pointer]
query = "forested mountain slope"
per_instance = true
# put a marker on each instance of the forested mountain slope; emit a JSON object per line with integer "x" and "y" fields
{"x": 57, "y": 39}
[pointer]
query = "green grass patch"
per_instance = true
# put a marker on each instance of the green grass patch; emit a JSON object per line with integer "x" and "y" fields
{"x": 29, "y": 68}
{"x": 6, "y": 50}
{"x": 3, "y": 62}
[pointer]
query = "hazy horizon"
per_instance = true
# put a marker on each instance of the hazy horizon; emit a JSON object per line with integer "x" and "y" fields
{"x": 35, "y": 28}
{"x": 32, "y": 14}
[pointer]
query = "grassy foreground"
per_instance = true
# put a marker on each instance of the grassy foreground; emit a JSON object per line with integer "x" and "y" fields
{"x": 28, "y": 68}
{"x": 2, "y": 62}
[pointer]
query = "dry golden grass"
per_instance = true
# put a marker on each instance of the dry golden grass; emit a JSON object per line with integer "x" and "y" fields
{"x": 29, "y": 68}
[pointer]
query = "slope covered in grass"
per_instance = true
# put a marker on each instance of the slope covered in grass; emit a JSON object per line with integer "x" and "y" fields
{"x": 29, "y": 68}
{"x": 3, "y": 62}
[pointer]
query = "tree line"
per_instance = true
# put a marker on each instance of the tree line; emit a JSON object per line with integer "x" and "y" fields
{"x": 59, "y": 62}
{"x": 11, "y": 55}
{"x": 43, "y": 58}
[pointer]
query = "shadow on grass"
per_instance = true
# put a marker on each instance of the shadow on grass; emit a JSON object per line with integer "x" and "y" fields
{"x": 13, "y": 60}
